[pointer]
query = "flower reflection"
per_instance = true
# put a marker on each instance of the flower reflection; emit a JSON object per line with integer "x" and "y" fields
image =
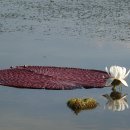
{"x": 116, "y": 101}
{"x": 117, "y": 76}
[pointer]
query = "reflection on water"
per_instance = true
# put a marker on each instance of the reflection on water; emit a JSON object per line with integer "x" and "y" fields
{"x": 92, "y": 18}
{"x": 116, "y": 101}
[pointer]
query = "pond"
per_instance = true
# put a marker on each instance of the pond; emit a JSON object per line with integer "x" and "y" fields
{"x": 88, "y": 34}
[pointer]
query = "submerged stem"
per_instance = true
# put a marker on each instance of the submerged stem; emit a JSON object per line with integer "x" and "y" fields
{"x": 114, "y": 88}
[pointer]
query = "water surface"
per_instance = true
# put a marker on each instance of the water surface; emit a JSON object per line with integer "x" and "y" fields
{"x": 85, "y": 34}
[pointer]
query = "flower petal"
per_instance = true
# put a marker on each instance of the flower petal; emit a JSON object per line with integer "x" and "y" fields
{"x": 127, "y": 74}
{"x": 113, "y": 71}
{"x": 109, "y": 81}
{"x": 123, "y": 72}
{"x": 124, "y": 97}
{"x": 119, "y": 72}
{"x": 126, "y": 104}
{"x": 118, "y": 105}
{"x": 107, "y": 70}
{"x": 108, "y": 97}
{"x": 124, "y": 82}
{"x": 122, "y": 105}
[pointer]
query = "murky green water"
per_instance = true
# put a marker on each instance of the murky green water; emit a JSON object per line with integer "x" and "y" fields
{"x": 79, "y": 33}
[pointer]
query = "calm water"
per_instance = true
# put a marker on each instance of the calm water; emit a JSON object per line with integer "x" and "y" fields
{"x": 75, "y": 33}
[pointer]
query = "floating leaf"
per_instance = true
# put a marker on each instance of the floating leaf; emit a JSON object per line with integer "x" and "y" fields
{"x": 44, "y": 77}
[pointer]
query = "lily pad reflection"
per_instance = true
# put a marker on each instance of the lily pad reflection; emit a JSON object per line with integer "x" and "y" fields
{"x": 79, "y": 104}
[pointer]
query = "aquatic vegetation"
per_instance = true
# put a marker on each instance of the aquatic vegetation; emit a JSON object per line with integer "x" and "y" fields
{"x": 62, "y": 78}
{"x": 116, "y": 101}
{"x": 79, "y": 104}
{"x": 117, "y": 76}
{"x": 54, "y": 78}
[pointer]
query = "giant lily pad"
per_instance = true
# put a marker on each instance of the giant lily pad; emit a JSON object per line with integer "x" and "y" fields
{"x": 44, "y": 77}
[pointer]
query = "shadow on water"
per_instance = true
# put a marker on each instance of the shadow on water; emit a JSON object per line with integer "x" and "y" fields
{"x": 91, "y": 18}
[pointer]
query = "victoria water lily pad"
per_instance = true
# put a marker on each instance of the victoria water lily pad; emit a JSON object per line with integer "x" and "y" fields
{"x": 54, "y": 78}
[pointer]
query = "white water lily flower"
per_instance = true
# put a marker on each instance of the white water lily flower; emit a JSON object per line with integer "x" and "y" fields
{"x": 116, "y": 105}
{"x": 117, "y": 75}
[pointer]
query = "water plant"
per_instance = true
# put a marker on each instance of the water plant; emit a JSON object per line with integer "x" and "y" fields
{"x": 117, "y": 76}
{"x": 79, "y": 104}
